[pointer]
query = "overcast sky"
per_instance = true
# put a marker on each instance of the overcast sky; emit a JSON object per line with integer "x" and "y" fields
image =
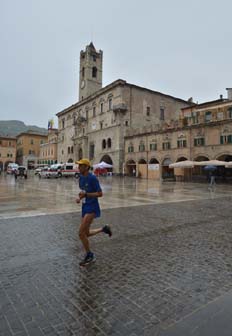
{"x": 179, "y": 47}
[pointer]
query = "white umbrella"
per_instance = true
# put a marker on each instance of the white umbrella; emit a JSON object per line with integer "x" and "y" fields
{"x": 182, "y": 164}
{"x": 210, "y": 163}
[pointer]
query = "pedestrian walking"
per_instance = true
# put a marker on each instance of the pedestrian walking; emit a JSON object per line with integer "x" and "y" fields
{"x": 89, "y": 194}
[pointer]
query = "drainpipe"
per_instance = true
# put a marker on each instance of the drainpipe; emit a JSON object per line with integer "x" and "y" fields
{"x": 147, "y": 155}
{"x": 130, "y": 104}
{"x": 190, "y": 150}
{"x": 190, "y": 144}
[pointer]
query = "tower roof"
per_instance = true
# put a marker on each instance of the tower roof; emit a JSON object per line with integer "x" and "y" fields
{"x": 91, "y": 46}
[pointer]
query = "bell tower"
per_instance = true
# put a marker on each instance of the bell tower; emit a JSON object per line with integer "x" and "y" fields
{"x": 90, "y": 76}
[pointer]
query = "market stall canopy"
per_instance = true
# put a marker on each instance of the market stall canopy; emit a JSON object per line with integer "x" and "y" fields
{"x": 102, "y": 165}
{"x": 228, "y": 164}
{"x": 182, "y": 164}
{"x": 210, "y": 163}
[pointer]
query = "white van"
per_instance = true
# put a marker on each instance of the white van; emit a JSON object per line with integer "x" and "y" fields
{"x": 11, "y": 168}
{"x": 70, "y": 169}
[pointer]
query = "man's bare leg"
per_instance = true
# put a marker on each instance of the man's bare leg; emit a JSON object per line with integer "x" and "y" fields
{"x": 94, "y": 232}
{"x": 84, "y": 230}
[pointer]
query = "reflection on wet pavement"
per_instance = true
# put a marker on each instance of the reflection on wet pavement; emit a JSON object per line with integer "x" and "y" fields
{"x": 163, "y": 263}
{"x": 49, "y": 196}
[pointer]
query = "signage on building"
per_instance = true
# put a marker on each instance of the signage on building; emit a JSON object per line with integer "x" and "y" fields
{"x": 153, "y": 166}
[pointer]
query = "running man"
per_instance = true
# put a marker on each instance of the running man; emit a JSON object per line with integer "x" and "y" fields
{"x": 90, "y": 191}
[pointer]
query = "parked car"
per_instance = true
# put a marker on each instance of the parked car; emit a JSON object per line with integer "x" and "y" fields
{"x": 21, "y": 171}
{"x": 11, "y": 168}
{"x": 44, "y": 172}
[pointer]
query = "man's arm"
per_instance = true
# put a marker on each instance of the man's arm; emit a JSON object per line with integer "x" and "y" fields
{"x": 83, "y": 194}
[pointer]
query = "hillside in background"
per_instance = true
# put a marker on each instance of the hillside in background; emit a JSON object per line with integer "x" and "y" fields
{"x": 14, "y": 127}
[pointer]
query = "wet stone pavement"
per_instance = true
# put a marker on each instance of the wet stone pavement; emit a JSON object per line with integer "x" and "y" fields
{"x": 163, "y": 263}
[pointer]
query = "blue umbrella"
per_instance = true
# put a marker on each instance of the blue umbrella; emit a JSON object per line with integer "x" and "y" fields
{"x": 209, "y": 167}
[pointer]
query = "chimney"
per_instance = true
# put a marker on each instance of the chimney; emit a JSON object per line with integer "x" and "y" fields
{"x": 229, "y": 93}
{"x": 221, "y": 96}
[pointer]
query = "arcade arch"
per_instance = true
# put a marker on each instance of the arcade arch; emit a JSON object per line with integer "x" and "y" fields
{"x": 167, "y": 173}
{"x": 130, "y": 168}
{"x": 107, "y": 159}
{"x": 153, "y": 161}
{"x": 182, "y": 158}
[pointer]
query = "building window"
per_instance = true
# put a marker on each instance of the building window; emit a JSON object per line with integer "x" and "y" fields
{"x": 0, "y": 154}
{"x": 32, "y": 142}
{"x": 166, "y": 145}
{"x": 161, "y": 113}
{"x": 103, "y": 144}
{"x": 72, "y": 150}
{"x": 41, "y": 142}
{"x": 83, "y": 72}
{"x": 230, "y": 112}
{"x": 63, "y": 123}
{"x": 62, "y": 152}
{"x": 9, "y": 143}
{"x": 220, "y": 116}
{"x": 199, "y": 142}
{"x": 225, "y": 139}
{"x": 94, "y": 72}
{"x": 109, "y": 143}
{"x": 83, "y": 130}
{"x": 68, "y": 150}
{"x": 126, "y": 123}
{"x": 94, "y": 111}
{"x": 153, "y": 146}
{"x": 102, "y": 107}
{"x": 101, "y": 124}
{"x": 141, "y": 147}
{"x": 0, "y": 142}
{"x": 208, "y": 116}
{"x": 148, "y": 111}
{"x": 110, "y": 104}
{"x": 131, "y": 149}
{"x": 181, "y": 143}
{"x": 195, "y": 118}
{"x": 91, "y": 151}
{"x": 94, "y": 58}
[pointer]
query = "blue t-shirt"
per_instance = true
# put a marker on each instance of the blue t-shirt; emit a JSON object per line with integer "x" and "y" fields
{"x": 90, "y": 184}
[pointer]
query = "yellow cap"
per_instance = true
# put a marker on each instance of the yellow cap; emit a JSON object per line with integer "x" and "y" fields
{"x": 84, "y": 162}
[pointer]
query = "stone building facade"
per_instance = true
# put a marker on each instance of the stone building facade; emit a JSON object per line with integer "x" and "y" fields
{"x": 96, "y": 126}
{"x": 203, "y": 132}
{"x": 7, "y": 151}
{"x": 48, "y": 150}
{"x": 28, "y": 148}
